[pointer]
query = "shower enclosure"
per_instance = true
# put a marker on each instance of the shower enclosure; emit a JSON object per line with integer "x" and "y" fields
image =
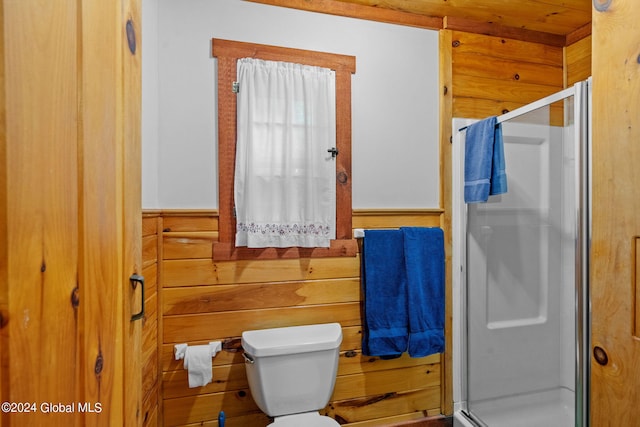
{"x": 520, "y": 263}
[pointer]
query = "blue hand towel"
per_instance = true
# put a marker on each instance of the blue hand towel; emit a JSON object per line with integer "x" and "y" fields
{"x": 484, "y": 161}
{"x": 385, "y": 329}
{"x": 498, "y": 173}
{"x": 424, "y": 263}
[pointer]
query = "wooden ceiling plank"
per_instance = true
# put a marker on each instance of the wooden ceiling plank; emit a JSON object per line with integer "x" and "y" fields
{"x": 353, "y": 10}
{"x": 551, "y": 24}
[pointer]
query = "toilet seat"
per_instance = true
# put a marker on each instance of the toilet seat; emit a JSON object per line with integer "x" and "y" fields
{"x": 307, "y": 419}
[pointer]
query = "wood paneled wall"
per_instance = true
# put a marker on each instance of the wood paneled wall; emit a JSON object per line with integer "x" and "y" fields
{"x": 203, "y": 300}
{"x": 490, "y": 76}
{"x": 151, "y": 253}
{"x": 577, "y": 62}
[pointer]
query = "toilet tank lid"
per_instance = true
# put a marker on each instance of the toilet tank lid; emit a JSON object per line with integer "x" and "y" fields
{"x": 291, "y": 340}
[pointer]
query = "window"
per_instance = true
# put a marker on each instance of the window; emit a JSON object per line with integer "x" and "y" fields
{"x": 284, "y": 187}
{"x": 227, "y": 54}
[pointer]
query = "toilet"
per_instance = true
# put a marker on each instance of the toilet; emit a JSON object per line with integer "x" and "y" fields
{"x": 292, "y": 372}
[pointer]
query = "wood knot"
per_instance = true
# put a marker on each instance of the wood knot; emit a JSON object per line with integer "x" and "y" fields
{"x": 75, "y": 297}
{"x": 505, "y": 111}
{"x": 601, "y": 5}
{"x": 516, "y": 76}
{"x": 600, "y": 355}
{"x": 131, "y": 36}
{"x": 350, "y": 353}
{"x": 342, "y": 178}
{"x": 4, "y": 319}
{"x": 456, "y": 43}
{"x": 99, "y": 365}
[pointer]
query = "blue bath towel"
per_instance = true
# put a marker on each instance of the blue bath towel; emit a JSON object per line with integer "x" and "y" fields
{"x": 498, "y": 168}
{"x": 385, "y": 329}
{"x": 424, "y": 263}
{"x": 484, "y": 161}
{"x": 403, "y": 279}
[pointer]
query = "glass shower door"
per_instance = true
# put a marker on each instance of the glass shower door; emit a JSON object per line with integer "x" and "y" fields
{"x": 521, "y": 279}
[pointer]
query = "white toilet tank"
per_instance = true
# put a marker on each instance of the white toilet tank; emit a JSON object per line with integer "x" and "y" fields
{"x": 292, "y": 370}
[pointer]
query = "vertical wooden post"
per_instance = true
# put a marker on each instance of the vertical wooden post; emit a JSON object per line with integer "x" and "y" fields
{"x": 40, "y": 206}
{"x": 69, "y": 212}
{"x": 615, "y": 371}
{"x": 446, "y": 108}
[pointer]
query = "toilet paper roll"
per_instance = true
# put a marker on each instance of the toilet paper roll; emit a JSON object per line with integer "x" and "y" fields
{"x": 197, "y": 361}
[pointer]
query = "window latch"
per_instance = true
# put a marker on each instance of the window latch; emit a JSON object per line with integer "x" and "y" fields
{"x": 333, "y": 151}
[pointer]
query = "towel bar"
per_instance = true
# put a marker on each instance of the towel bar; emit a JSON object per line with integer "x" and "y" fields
{"x": 358, "y": 233}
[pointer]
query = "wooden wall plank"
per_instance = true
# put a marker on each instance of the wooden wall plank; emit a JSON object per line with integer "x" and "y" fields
{"x": 225, "y": 378}
{"x": 249, "y": 420}
{"x": 150, "y": 274}
{"x": 149, "y": 224}
{"x": 511, "y": 91}
{"x": 189, "y": 244}
{"x": 380, "y": 406}
{"x": 203, "y": 299}
{"x": 193, "y": 327}
{"x": 4, "y": 231}
{"x": 149, "y": 249}
{"x": 381, "y": 219}
{"x": 205, "y": 271}
{"x": 508, "y": 49}
{"x": 473, "y": 64}
{"x": 231, "y": 353}
{"x": 194, "y": 409}
{"x": 181, "y": 221}
{"x": 40, "y": 201}
{"x": 578, "y": 61}
{"x": 480, "y": 108}
{"x": 386, "y": 381}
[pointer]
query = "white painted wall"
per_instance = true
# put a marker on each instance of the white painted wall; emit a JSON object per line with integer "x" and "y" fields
{"x": 150, "y": 135}
{"x": 394, "y": 98}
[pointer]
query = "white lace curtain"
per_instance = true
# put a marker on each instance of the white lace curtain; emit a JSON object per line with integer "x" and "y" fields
{"x": 284, "y": 187}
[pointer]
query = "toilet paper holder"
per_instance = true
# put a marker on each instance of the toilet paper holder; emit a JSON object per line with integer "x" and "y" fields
{"x": 179, "y": 350}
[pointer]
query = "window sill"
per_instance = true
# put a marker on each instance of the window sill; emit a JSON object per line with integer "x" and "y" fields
{"x": 226, "y": 251}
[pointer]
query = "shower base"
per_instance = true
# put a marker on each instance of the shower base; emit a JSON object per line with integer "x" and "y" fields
{"x": 546, "y": 408}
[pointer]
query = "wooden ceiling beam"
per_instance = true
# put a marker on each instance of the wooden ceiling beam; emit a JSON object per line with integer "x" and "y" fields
{"x": 352, "y": 10}
{"x": 578, "y": 34}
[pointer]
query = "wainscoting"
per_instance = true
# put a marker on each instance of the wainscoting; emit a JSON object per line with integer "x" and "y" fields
{"x": 202, "y": 300}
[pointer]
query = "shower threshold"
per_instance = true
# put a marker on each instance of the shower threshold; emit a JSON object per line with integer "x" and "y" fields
{"x": 546, "y": 408}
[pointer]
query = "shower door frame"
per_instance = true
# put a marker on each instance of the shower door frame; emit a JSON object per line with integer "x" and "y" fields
{"x": 581, "y": 92}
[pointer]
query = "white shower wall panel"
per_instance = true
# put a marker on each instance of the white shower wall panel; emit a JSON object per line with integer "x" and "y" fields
{"x": 517, "y": 244}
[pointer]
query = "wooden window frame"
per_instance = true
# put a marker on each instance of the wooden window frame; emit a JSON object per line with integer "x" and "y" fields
{"x": 227, "y": 53}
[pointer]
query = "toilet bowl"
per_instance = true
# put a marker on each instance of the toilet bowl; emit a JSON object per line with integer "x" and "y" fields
{"x": 292, "y": 372}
